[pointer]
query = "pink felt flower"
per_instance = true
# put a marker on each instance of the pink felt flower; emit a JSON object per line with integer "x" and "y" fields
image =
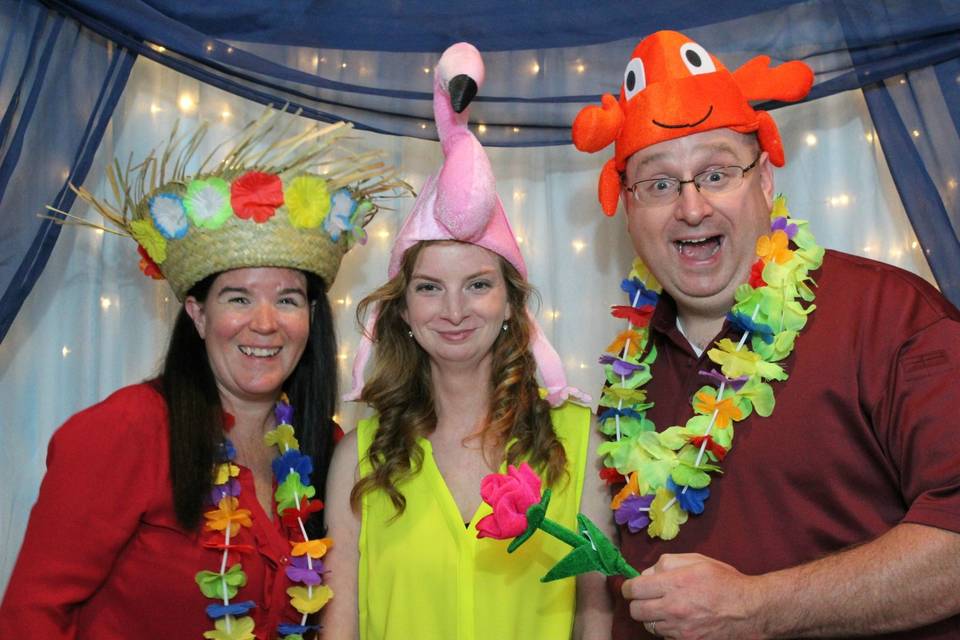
{"x": 510, "y": 494}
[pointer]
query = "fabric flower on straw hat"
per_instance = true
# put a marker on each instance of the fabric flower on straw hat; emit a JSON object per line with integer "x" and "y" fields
{"x": 460, "y": 202}
{"x": 260, "y": 206}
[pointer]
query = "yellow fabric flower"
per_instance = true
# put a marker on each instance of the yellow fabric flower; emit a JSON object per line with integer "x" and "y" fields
{"x": 779, "y": 209}
{"x": 282, "y": 437}
{"x": 313, "y": 548}
{"x": 150, "y": 239}
{"x": 734, "y": 363}
{"x": 627, "y": 338}
{"x": 665, "y": 523}
{"x": 643, "y": 274}
{"x": 224, "y": 472}
{"x": 775, "y": 247}
{"x": 307, "y": 600}
{"x": 240, "y": 629}
{"x": 228, "y": 515}
{"x": 307, "y": 200}
{"x": 727, "y": 412}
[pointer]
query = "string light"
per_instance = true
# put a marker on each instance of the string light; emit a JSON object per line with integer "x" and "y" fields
{"x": 225, "y": 114}
{"x": 154, "y": 109}
{"x": 209, "y": 47}
{"x": 581, "y": 67}
{"x": 841, "y": 200}
{"x": 383, "y": 233}
{"x": 914, "y": 244}
{"x": 516, "y": 129}
{"x": 426, "y": 70}
{"x": 343, "y": 65}
{"x": 519, "y": 239}
{"x": 105, "y": 303}
{"x": 156, "y": 47}
{"x": 229, "y": 49}
{"x": 65, "y": 351}
{"x": 895, "y": 252}
{"x": 423, "y": 125}
{"x": 952, "y": 184}
{"x": 870, "y": 137}
{"x": 811, "y": 140}
{"x": 578, "y": 245}
{"x": 99, "y": 232}
{"x": 916, "y": 134}
{"x": 186, "y": 102}
{"x": 867, "y": 249}
{"x": 518, "y": 194}
{"x": 316, "y": 60}
{"x": 535, "y": 68}
{"x": 482, "y": 128}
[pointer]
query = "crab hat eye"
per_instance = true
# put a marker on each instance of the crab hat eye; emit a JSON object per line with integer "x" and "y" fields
{"x": 697, "y": 59}
{"x": 634, "y": 79}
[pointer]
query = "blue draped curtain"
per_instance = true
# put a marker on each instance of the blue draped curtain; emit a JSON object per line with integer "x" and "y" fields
{"x": 59, "y": 83}
{"x": 370, "y": 62}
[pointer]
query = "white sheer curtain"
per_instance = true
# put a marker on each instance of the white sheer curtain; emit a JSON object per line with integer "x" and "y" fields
{"x": 94, "y": 323}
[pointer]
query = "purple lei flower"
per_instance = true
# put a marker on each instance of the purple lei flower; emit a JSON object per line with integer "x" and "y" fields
{"x": 216, "y": 611}
{"x": 690, "y": 499}
{"x": 283, "y": 412}
{"x": 732, "y": 383}
{"x": 632, "y": 287}
{"x": 782, "y": 224}
{"x": 612, "y": 413}
{"x": 293, "y": 460}
{"x": 621, "y": 367}
{"x": 633, "y": 512}
{"x": 230, "y": 488}
{"x": 299, "y": 571}
{"x": 744, "y": 323}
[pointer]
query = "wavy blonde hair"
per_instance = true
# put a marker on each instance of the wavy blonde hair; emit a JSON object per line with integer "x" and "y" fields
{"x": 401, "y": 391}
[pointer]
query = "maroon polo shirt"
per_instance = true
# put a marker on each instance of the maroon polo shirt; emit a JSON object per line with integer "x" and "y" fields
{"x": 863, "y": 435}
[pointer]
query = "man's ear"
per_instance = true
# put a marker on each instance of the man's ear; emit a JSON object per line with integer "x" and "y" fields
{"x": 194, "y": 309}
{"x": 766, "y": 179}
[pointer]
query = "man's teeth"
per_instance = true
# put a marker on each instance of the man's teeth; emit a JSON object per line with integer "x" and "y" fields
{"x": 260, "y": 352}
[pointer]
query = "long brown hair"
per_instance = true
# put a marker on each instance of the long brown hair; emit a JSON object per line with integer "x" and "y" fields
{"x": 401, "y": 391}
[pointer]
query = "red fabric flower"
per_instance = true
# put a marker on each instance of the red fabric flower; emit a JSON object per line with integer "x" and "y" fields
{"x": 510, "y": 494}
{"x": 147, "y": 265}
{"x": 306, "y": 508}
{"x": 756, "y": 274}
{"x": 611, "y": 476}
{"x": 256, "y": 195}
{"x": 638, "y": 316}
{"x": 228, "y": 421}
{"x": 712, "y": 446}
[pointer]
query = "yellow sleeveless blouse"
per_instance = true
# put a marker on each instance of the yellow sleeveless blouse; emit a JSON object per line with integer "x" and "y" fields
{"x": 426, "y": 576}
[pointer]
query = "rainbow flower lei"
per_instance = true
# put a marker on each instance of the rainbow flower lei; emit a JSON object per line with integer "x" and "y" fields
{"x": 225, "y": 524}
{"x": 667, "y": 473}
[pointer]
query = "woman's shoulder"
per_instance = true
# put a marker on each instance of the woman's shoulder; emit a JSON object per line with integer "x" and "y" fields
{"x": 134, "y": 412}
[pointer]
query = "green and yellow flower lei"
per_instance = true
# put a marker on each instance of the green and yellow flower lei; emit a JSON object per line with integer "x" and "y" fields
{"x": 668, "y": 472}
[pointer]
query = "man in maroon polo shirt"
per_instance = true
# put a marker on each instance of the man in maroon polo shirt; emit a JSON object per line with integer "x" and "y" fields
{"x": 839, "y": 514}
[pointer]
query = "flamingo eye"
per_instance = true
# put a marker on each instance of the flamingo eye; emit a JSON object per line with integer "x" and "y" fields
{"x": 634, "y": 79}
{"x": 697, "y": 59}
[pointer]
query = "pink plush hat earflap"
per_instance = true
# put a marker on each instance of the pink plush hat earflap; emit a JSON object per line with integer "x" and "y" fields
{"x": 460, "y": 202}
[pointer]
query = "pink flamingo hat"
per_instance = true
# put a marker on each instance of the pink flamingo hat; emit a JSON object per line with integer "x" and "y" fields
{"x": 460, "y": 202}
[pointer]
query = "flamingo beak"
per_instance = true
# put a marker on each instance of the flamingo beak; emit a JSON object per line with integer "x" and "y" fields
{"x": 462, "y": 90}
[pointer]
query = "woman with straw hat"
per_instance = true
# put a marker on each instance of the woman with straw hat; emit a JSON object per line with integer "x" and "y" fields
{"x": 189, "y": 505}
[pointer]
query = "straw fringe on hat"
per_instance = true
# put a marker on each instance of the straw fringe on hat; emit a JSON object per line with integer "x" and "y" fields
{"x": 258, "y": 207}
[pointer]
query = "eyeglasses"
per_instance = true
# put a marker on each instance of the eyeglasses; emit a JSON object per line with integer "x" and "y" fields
{"x": 662, "y": 191}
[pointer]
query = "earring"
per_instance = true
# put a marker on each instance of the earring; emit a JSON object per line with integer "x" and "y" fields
{"x": 505, "y": 326}
{"x": 409, "y": 333}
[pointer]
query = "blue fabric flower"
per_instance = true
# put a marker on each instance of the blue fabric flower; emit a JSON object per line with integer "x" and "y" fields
{"x": 691, "y": 500}
{"x": 168, "y": 215}
{"x": 623, "y": 413}
{"x": 639, "y": 295}
{"x": 293, "y": 460}
{"x": 286, "y": 628}
{"x": 216, "y": 611}
{"x": 746, "y": 324}
{"x": 341, "y": 218}
{"x": 226, "y": 452}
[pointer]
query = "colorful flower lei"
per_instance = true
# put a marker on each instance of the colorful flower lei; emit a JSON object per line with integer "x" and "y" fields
{"x": 292, "y": 472}
{"x": 667, "y": 472}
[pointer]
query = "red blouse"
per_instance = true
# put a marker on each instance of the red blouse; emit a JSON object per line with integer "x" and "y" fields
{"x": 103, "y": 556}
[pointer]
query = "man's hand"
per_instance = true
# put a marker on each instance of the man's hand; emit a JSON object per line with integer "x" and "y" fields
{"x": 693, "y": 596}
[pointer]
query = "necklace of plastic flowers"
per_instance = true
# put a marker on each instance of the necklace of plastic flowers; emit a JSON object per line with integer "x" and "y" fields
{"x": 668, "y": 472}
{"x": 226, "y": 521}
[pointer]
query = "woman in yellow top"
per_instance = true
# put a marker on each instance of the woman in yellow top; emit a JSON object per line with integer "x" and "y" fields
{"x": 455, "y": 389}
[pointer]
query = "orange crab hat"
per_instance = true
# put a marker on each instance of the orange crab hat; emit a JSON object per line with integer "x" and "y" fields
{"x": 672, "y": 87}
